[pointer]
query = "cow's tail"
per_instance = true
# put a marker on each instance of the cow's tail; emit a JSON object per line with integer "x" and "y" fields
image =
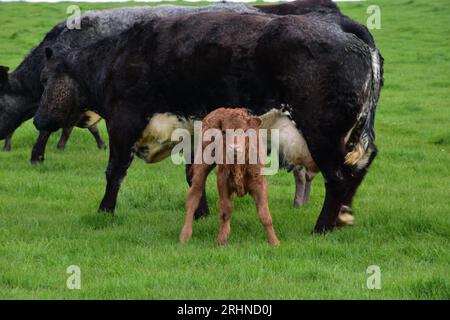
{"x": 361, "y": 140}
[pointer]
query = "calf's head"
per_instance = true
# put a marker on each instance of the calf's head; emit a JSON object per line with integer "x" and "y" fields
{"x": 61, "y": 102}
{"x": 238, "y": 129}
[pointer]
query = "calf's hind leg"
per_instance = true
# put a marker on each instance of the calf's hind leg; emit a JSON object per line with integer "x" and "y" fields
{"x": 260, "y": 195}
{"x": 199, "y": 175}
{"x": 202, "y": 209}
{"x": 226, "y": 209}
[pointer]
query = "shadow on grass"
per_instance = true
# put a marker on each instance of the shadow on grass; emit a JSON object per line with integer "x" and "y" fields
{"x": 100, "y": 221}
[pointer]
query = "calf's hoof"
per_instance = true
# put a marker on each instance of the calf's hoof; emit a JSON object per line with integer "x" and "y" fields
{"x": 61, "y": 146}
{"x": 274, "y": 243}
{"x": 222, "y": 242}
{"x": 185, "y": 235}
{"x": 7, "y": 148}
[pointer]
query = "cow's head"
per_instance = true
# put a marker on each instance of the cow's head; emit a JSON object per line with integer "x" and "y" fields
{"x": 15, "y": 105}
{"x": 61, "y": 102}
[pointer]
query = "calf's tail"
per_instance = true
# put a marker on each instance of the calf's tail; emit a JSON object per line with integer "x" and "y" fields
{"x": 364, "y": 144}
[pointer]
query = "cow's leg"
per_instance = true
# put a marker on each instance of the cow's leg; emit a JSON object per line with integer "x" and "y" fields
{"x": 300, "y": 181}
{"x": 309, "y": 176}
{"x": 65, "y": 134}
{"x": 346, "y": 213}
{"x": 261, "y": 197}
{"x": 7, "y": 146}
{"x": 199, "y": 175}
{"x": 226, "y": 209}
{"x": 122, "y": 137}
{"x": 96, "y": 133}
{"x": 202, "y": 209}
{"x": 37, "y": 154}
{"x": 329, "y": 156}
{"x": 341, "y": 183}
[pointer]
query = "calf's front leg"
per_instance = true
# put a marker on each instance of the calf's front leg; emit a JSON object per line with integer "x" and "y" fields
{"x": 199, "y": 175}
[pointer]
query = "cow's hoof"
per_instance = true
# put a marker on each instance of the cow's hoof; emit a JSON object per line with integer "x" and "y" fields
{"x": 105, "y": 209}
{"x": 37, "y": 159}
{"x": 320, "y": 230}
{"x": 102, "y": 146}
{"x": 345, "y": 219}
{"x": 298, "y": 203}
{"x": 6, "y": 148}
{"x": 61, "y": 147}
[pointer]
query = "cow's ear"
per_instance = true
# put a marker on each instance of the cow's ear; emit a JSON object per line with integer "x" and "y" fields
{"x": 255, "y": 122}
{"x": 3, "y": 75}
{"x": 48, "y": 53}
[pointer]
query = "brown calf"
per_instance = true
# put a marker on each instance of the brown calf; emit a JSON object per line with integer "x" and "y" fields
{"x": 231, "y": 178}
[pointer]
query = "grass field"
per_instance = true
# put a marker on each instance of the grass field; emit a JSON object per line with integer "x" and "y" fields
{"x": 48, "y": 217}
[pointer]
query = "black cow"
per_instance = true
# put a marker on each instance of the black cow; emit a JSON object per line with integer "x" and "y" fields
{"x": 21, "y": 90}
{"x": 328, "y": 80}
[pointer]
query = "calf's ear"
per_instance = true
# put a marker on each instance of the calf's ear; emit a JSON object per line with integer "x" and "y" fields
{"x": 3, "y": 75}
{"x": 255, "y": 122}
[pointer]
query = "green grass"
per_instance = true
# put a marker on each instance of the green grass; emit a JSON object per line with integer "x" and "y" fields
{"x": 48, "y": 217}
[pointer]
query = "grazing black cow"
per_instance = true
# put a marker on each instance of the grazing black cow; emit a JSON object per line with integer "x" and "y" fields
{"x": 17, "y": 104}
{"x": 329, "y": 11}
{"x": 327, "y": 80}
{"x": 21, "y": 90}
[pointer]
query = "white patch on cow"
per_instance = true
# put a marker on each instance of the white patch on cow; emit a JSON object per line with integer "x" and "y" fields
{"x": 360, "y": 155}
{"x": 93, "y": 119}
{"x": 155, "y": 143}
{"x": 375, "y": 65}
{"x": 292, "y": 143}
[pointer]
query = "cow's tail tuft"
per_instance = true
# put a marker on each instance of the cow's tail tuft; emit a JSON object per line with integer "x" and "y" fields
{"x": 363, "y": 135}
